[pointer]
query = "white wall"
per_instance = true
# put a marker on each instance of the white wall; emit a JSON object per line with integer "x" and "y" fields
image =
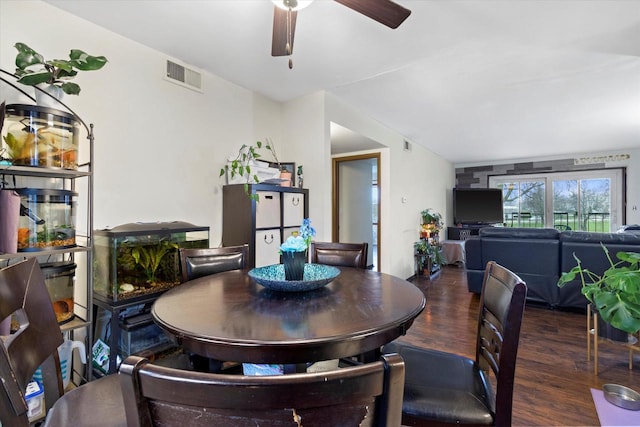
{"x": 410, "y": 181}
{"x": 306, "y": 136}
{"x": 158, "y": 146}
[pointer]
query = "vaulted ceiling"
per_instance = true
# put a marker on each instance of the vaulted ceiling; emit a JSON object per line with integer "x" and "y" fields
{"x": 473, "y": 80}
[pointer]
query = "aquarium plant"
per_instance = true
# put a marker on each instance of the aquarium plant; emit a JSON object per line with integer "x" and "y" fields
{"x": 150, "y": 257}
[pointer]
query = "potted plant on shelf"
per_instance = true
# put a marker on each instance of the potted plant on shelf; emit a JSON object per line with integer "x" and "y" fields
{"x": 615, "y": 294}
{"x": 245, "y": 165}
{"x": 431, "y": 223}
{"x": 242, "y": 165}
{"x": 294, "y": 251}
{"x": 429, "y": 257}
{"x": 56, "y": 73}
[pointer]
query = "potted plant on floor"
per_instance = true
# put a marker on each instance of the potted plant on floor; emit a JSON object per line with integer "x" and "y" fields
{"x": 429, "y": 257}
{"x": 615, "y": 294}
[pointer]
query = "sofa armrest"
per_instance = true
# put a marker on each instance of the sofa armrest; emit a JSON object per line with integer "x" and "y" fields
{"x": 473, "y": 253}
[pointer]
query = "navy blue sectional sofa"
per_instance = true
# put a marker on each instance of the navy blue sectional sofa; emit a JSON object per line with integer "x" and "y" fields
{"x": 539, "y": 256}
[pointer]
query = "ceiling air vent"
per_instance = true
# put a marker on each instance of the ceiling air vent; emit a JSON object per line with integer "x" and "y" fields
{"x": 183, "y": 76}
{"x": 407, "y": 145}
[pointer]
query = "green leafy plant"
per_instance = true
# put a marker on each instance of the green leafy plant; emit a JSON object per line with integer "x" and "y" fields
{"x": 615, "y": 293}
{"x": 434, "y": 218}
{"x": 429, "y": 254}
{"x": 56, "y": 72}
{"x": 241, "y": 164}
{"x": 149, "y": 257}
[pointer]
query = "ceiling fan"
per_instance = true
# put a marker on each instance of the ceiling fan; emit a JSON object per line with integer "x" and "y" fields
{"x": 285, "y": 12}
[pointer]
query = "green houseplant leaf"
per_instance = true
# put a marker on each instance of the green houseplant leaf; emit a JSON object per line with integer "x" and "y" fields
{"x": 85, "y": 62}
{"x": 27, "y": 56}
{"x": 55, "y": 72}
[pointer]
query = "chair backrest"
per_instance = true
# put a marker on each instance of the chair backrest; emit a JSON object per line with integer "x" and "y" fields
{"x": 23, "y": 292}
{"x": 502, "y": 303}
{"x": 340, "y": 254}
{"x": 343, "y": 397}
{"x": 196, "y": 263}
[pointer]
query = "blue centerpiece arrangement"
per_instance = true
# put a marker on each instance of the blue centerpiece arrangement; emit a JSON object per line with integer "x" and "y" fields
{"x": 294, "y": 257}
{"x": 295, "y": 274}
{"x": 294, "y": 251}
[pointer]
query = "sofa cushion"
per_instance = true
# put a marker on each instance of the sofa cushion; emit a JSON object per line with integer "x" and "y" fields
{"x": 519, "y": 233}
{"x": 534, "y": 256}
{"x": 606, "y": 238}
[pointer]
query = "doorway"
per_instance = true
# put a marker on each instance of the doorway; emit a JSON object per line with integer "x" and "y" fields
{"x": 356, "y": 203}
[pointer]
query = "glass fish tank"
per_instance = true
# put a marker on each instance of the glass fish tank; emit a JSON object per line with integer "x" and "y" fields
{"x": 139, "y": 259}
{"x": 60, "y": 278}
{"x": 47, "y": 219}
{"x": 39, "y": 136}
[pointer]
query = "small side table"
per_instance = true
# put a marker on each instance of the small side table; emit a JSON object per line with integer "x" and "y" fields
{"x": 454, "y": 251}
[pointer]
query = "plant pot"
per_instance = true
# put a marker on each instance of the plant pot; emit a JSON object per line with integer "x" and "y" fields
{"x": 294, "y": 264}
{"x": 605, "y": 330}
{"x": 50, "y": 98}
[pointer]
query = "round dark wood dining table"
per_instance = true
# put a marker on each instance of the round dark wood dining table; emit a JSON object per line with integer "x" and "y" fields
{"x": 227, "y": 316}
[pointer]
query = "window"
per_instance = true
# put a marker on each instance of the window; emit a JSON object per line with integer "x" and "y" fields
{"x": 585, "y": 200}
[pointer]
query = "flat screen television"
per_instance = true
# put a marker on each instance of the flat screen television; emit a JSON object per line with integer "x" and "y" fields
{"x": 477, "y": 206}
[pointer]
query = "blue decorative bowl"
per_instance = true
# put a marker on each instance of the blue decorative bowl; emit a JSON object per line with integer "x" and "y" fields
{"x": 315, "y": 276}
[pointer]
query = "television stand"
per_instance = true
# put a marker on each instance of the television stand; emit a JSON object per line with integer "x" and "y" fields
{"x": 466, "y": 230}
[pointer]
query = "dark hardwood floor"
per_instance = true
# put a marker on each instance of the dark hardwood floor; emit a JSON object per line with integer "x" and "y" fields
{"x": 553, "y": 377}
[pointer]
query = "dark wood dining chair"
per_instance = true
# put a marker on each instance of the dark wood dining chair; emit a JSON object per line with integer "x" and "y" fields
{"x": 196, "y": 263}
{"x": 34, "y": 344}
{"x": 340, "y": 254}
{"x": 158, "y": 395}
{"x": 201, "y": 262}
{"x": 444, "y": 388}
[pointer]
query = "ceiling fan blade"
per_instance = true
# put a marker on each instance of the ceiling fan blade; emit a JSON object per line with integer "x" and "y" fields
{"x": 279, "y": 41}
{"x": 384, "y": 11}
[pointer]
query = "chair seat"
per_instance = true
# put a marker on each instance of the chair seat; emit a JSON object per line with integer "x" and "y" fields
{"x": 98, "y": 403}
{"x": 443, "y": 386}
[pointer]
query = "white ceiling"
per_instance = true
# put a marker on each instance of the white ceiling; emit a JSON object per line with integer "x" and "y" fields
{"x": 471, "y": 80}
